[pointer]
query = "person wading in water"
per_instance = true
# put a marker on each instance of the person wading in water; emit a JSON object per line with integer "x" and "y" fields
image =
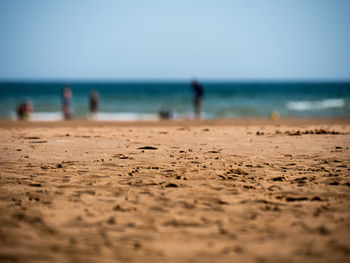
{"x": 197, "y": 99}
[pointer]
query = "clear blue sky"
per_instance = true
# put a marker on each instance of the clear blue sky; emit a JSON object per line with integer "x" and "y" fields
{"x": 175, "y": 39}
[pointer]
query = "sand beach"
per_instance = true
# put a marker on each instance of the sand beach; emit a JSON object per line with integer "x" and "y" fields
{"x": 248, "y": 190}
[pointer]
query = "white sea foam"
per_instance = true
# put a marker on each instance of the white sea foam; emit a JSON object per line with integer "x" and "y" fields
{"x": 315, "y": 105}
{"x": 101, "y": 116}
{"x": 41, "y": 116}
{"x": 124, "y": 116}
{"x": 47, "y": 116}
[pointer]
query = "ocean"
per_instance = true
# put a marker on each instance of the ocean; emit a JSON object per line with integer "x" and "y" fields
{"x": 127, "y": 101}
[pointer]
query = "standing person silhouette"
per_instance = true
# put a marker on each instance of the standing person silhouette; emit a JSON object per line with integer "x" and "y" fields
{"x": 66, "y": 103}
{"x": 94, "y": 98}
{"x": 197, "y": 99}
{"x": 24, "y": 110}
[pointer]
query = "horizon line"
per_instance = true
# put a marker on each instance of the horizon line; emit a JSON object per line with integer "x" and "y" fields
{"x": 173, "y": 80}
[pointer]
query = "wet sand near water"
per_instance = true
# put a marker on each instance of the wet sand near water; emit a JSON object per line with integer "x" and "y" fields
{"x": 219, "y": 191}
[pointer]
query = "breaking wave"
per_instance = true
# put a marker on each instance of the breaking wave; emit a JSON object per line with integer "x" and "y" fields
{"x": 315, "y": 105}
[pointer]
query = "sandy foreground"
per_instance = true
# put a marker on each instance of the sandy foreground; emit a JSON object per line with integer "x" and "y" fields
{"x": 239, "y": 191}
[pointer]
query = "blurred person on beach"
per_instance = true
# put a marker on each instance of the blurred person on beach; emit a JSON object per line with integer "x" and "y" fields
{"x": 24, "y": 110}
{"x": 94, "y": 99}
{"x": 166, "y": 114}
{"x": 197, "y": 99}
{"x": 66, "y": 103}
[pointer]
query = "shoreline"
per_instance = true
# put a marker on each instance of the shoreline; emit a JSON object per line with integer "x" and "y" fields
{"x": 175, "y": 123}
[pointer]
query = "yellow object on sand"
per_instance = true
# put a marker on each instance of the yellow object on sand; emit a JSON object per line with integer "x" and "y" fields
{"x": 275, "y": 116}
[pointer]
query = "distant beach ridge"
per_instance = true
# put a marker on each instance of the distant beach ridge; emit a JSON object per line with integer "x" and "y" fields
{"x": 144, "y": 100}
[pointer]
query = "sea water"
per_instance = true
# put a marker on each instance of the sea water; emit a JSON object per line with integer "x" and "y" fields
{"x": 127, "y": 101}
